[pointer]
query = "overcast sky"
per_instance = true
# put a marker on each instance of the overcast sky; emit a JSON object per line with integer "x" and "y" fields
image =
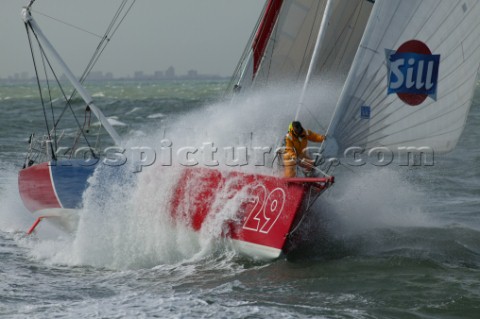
{"x": 205, "y": 35}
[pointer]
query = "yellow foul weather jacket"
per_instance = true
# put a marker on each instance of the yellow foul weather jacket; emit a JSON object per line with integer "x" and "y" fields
{"x": 295, "y": 149}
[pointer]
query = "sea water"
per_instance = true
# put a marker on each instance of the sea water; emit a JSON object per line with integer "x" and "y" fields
{"x": 393, "y": 242}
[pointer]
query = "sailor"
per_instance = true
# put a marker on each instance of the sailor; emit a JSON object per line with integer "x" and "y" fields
{"x": 296, "y": 142}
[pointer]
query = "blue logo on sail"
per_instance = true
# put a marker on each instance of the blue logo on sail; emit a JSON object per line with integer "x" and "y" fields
{"x": 413, "y": 72}
{"x": 365, "y": 112}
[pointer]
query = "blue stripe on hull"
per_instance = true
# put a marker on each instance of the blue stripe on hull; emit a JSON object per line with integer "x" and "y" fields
{"x": 70, "y": 181}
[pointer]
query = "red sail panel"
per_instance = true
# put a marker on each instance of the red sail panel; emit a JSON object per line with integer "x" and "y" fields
{"x": 264, "y": 31}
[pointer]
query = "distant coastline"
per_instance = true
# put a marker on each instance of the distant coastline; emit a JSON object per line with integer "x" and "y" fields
{"x": 168, "y": 75}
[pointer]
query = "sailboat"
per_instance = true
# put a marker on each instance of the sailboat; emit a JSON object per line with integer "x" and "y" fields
{"x": 406, "y": 72}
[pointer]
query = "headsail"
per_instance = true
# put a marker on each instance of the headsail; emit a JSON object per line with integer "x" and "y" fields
{"x": 412, "y": 81}
{"x": 287, "y": 56}
{"x": 292, "y": 40}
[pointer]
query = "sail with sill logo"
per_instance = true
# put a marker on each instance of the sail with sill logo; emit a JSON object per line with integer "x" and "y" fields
{"x": 412, "y": 81}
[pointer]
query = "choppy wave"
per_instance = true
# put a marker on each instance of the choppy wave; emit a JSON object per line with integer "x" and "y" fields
{"x": 381, "y": 243}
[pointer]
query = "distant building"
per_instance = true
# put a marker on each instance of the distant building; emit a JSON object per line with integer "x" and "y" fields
{"x": 192, "y": 74}
{"x": 96, "y": 75}
{"x": 170, "y": 73}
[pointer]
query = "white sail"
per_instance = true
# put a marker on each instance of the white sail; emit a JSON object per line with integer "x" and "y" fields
{"x": 398, "y": 95}
{"x": 287, "y": 54}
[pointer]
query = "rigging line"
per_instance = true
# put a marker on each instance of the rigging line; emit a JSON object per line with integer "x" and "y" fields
{"x": 315, "y": 118}
{"x": 109, "y": 33}
{"x": 347, "y": 28}
{"x": 63, "y": 93}
{"x": 270, "y": 60}
{"x": 246, "y": 57}
{"x": 97, "y": 142}
{"x": 115, "y": 16}
{"x": 309, "y": 207}
{"x": 264, "y": 66}
{"x": 318, "y": 46}
{"x": 356, "y": 13}
{"x": 30, "y": 4}
{"x": 100, "y": 48}
{"x": 104, "y": 40}
{"x": 303, "y": 64}
{"x": 51, "y": 103}
{"x": 39, "y": 85}
{"x": 123, "y": 18}
{"x": 310, "y": 36}
{"x": 114, "y": 24}
{"x": 68, "y": 24}
{"x": 355, "y": 17}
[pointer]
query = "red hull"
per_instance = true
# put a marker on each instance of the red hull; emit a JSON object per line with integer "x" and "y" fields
{"x": 265, "y": 207}
{"x": 36, "y": 188}
{"x": 256, "y": 211}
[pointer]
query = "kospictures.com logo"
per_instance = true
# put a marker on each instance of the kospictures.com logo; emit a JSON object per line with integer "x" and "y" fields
{"x": 413, "y": 72}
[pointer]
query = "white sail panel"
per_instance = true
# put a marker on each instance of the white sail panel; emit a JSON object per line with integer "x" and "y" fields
{"x": 344, "y": 32}
{"x": 291, "y": 44}
{"x": 368, "y": 116}
{"x": 293, "y": 41}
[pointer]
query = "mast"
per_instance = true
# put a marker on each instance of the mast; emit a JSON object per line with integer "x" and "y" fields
{"x": 28, "y": 19}
{"x": 313, "y": 62}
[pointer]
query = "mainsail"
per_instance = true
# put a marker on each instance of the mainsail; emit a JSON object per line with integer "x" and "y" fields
{"x": 292, "y": 27}
{"x": 412, "y": 80}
